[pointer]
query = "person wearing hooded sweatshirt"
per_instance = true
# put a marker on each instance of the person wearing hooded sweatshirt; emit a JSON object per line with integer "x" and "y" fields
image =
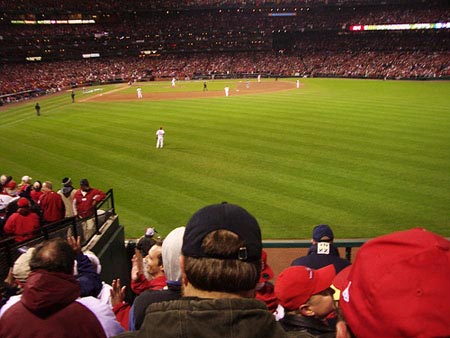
{"x": 50, "y": 304}
{"x": 67, "y": 193}
{"x": 47, "y": 307}
{"x": 23, "y": 222}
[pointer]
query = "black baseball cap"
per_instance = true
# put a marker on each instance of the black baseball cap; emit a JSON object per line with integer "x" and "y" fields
{"x": 321, "y": 232}
{"x": 223, "y": 216}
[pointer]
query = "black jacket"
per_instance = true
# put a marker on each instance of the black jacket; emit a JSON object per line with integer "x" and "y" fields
{"x": 310, "y": 326}
{"x": 316, "y": 260}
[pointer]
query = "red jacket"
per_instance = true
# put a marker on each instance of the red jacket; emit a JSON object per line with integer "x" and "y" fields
{"x": 52, "y": 207}
{"x": 267, "y": 295}
{"x": 84, "y": 205}
{"x": 35, "y": 195}
{"x": 21, "y": 224}
{"x": 142, "y": 284}
{"x": 48, "y": 309}
{"x": 122, "y": 313}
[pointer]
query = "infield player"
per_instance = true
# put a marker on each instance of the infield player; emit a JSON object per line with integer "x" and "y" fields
{"x": 160, "y": 137}
{"x": 227, "y": 90}
{"x": 139, "y": 92}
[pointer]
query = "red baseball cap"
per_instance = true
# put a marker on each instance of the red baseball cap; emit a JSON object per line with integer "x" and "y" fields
{"x": 399, "y": 286}
{"x": 23, "y": 202}
{"x": 296, "y": 284}
{"x": 11, "y": 185}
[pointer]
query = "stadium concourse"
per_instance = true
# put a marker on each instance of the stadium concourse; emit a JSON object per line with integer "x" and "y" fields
{"x": 217, "y": 39}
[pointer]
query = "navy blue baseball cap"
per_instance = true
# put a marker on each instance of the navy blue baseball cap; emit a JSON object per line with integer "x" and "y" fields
{"x": 223, "y": 216}
{"x": 322, "y": 232}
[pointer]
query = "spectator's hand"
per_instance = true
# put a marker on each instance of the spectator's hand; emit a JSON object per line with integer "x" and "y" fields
{"x": 10, "y": 280}
{"x": 74, "y": 243}
{"x": 342, "y": 330}
{"x": 137, "y": 265}
{"x": 117, "y": 292}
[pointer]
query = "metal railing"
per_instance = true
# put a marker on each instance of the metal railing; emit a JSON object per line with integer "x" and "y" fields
{"x": 86, "y": 228}
{"x": 347, "y": 244}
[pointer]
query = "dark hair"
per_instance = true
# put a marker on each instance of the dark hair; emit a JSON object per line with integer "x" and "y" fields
{"x": 225, "y": 275}
{"x": 54, "y": 255}
{"x": 144, "y": 244}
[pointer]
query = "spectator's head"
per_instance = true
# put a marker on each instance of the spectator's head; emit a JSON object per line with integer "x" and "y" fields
{"x": 10, "y": 186}
{"x": 398, "y": 286}
{"x": 150, "y": 232}
{"x": 222, "y": 250}
{"x": 84, "y": 184}
{"x": 23, "y": 203}
{"x": 21, "y": 268}
{"x": 154, "y": 262}
{"x": 66, "y": 182}
{"x": 94, "y": 260}
{"x": 322, "y": 233}
{"x": 306, "y": 290}
{"x": 171, "y": 252}
{"x": 37, "y": 185}
{"x": 146, "y": 242}
{"x": 266, "y": 270}
{"x": 26, "y": 179}
{"x": 54, "y": 255}
{"x": 47, "y": 186}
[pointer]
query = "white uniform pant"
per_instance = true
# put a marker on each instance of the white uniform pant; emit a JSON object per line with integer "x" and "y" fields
{"x": 160, "y": 142}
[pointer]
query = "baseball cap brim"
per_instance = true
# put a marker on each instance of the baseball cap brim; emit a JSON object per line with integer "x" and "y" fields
{"x": 324, "y": 278}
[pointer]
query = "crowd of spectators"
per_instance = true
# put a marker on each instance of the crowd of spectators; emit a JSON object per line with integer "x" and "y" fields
{"x": 212, "y": 278}
{"x": 194, "y": 30}
{"x": 27, "y": 206}
{"x": 39, "y": 78}
{"x": 196, "y": 42}
{"x": 139, "y": 5}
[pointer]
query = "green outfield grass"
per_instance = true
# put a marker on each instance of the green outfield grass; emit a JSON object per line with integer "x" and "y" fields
{"x": 367, "y": 157}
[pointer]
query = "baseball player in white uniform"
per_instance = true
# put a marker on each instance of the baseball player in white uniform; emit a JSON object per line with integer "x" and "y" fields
{"x": 160, "y": 137}
{"x": 227, "y": 90}
{"x": 139, "y": 92}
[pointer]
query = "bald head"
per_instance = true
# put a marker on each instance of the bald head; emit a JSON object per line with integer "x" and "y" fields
{"x": 54, "y": 255}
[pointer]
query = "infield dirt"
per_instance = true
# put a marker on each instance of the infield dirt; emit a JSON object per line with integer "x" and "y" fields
{"x": 241, "y": 89}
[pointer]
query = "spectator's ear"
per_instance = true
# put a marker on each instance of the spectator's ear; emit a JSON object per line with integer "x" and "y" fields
{"x": 305, "y": 310}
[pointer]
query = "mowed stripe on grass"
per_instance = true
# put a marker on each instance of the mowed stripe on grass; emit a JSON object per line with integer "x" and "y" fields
{"x": 367, "y": 157}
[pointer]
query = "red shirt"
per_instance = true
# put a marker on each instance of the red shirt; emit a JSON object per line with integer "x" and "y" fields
{"x": 35, "y": 195}
{"x": 84, "y": 205}
{"x": 142, "y": 284}
{"x": 52, "y": 206}
{"x": 21, "y": 224}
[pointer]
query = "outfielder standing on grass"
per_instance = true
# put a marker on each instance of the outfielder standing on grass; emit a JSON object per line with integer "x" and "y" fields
{"x": 38, "y": 109}
{"x": 160, "y": 137}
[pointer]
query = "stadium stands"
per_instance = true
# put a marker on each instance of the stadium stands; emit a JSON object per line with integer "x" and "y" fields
{"x": 198, "y": 39}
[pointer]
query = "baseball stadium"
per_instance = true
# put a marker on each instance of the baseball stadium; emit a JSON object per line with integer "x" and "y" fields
{"x": 303, "y": 113}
